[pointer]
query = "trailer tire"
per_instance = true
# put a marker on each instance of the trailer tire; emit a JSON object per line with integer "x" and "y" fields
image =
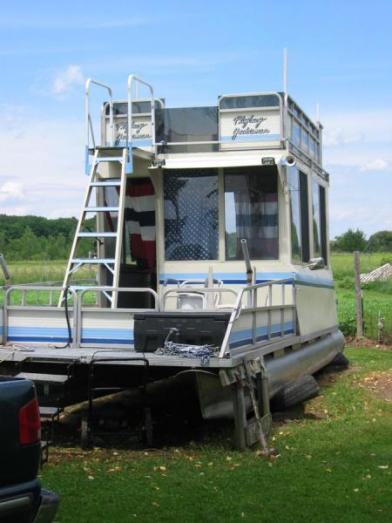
{"x": 340, "y": 361}
{"x": 297, "y": 391}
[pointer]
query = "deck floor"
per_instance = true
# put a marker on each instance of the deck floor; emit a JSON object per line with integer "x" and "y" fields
{"x": 86, "y": 354}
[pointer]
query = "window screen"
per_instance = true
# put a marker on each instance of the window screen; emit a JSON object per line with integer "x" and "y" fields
{"x": 295, "y": 214}
{"x": 251, "y": 212}
{"x": 323, "y": 224}
{"x": 299, "y": 215}
{"x": 191, "y": 214}
{"x": 303, "y": 183}
{"x": 319, "y": 221}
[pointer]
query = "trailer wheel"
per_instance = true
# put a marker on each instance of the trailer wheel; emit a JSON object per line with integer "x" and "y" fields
{"x": 297, "y": 391}
{"x": 340, "y": 361}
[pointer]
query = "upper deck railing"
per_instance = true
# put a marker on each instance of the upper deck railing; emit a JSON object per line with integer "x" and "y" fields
{"x": 249, "y": 121}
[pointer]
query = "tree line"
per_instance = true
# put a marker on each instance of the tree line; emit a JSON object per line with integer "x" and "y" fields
{"x": 351, "y": 241}
{"x": 39, "y": 238}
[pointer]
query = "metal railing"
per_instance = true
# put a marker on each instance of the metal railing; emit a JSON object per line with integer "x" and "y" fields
{"x": 178, "y": 291}
{"x": 88, "y": 120}
{"x": 132, "y": 79}
{"x": 252, "y": 307}
{"x": 75, "y": 307}
{"x": 105, "y": 290}
{"x": 48, "y": 290}
{"x": 241, "y": 306}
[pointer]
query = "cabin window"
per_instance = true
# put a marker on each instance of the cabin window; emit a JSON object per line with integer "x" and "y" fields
{"x": 319, "y": 221}
{"x": 305, "y": 140}
{"x": 299, "y": 214}
{"x": 312, "y": 147}
{"x": 191, "y": 214}
{"x": 251, "y": 212}
{"x": 295, "y": 132}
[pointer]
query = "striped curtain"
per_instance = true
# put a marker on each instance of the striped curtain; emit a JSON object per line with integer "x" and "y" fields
{"x": 140, "y": 221}
{"x": 252, "y": 201}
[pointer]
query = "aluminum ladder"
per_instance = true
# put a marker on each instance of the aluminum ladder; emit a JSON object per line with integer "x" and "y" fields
{"x": 106, "y": 153}
{"x": 101, "y": 155}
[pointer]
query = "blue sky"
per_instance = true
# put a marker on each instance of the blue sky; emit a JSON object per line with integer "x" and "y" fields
{"x": 340, "y": 56}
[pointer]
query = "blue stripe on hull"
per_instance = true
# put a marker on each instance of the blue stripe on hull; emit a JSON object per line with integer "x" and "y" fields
{"x": 112, "y": 341}
{"x": 239, "y": 278}
{"x": 50, "y": 339}
{"x": 240, "y": 338}
{"x": 59, "y": 334}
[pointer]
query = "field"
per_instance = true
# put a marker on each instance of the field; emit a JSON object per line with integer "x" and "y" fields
{"x": 334, "y": 465}
{"x": 377, "y": 296}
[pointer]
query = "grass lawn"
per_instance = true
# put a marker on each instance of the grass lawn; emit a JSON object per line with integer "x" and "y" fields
{"x": 335, "y": 465}
{"x": 377, "y": 297}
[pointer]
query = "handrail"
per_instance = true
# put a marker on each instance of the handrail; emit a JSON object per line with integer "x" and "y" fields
{"x": 28, "y": 288}
{"x": 106, "y": 288}
{"x": 131, "y": 79}
{"x": 236, "y": 313}
{"x": 198, "y": 290}
{"x": 88, "y": 121}
{"x": 46, "y": 288}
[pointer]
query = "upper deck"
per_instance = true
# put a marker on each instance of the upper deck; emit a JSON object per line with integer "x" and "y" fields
{"x": 239, "y": 123}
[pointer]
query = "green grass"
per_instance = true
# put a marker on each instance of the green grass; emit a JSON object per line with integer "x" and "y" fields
{"x": 44, "y": 272}
{"x": 335, "y": 465}
{"x": 377, "y": 296}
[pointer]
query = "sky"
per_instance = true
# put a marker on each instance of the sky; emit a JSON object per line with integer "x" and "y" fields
{"x": 340, "y": 57}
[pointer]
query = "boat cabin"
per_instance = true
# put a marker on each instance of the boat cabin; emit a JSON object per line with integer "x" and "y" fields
{"x": 202, "y": 180}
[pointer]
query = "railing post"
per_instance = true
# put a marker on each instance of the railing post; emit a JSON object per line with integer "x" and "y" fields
{"x": 358, "y": 295}
{"x": 132, "y": 78}
{"x": 88, "y": 121}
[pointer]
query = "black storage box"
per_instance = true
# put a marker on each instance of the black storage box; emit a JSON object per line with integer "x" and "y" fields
{"x": 151, "y": 328}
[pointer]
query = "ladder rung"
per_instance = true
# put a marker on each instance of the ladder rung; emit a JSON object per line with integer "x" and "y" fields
{"x": 93, "y": 261}
{"x": 101, "y": 209}
{"x": 114, "y": 183}
{"x": 97, "y": 234}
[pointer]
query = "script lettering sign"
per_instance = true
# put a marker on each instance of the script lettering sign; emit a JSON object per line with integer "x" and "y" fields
{"x": 249, "y": 128}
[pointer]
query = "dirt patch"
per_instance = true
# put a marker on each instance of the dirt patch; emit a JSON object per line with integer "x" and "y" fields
{"x": 379, "y": 383}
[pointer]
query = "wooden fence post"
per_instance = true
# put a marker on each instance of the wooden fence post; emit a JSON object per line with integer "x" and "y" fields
{"x": 358, "y": 295}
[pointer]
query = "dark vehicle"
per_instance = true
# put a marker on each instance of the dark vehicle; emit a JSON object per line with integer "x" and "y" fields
{"x": 22, "y": 500}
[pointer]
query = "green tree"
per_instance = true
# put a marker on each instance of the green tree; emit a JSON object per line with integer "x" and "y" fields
{"x": 380, "y": 241}
{"x": 350, "y": 241}
{"x": 26, "y": 247}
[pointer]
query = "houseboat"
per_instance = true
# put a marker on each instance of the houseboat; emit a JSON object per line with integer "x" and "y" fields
{"x": 206, "y": 232}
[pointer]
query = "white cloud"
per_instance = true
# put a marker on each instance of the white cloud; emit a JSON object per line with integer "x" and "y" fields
{"x": 11, "y": 191}
{"x": 163, "y": 64}
{"x": 67, "y": 79}
{"x": 378, "y": 164}
{"x": 362, "y": 140}
{"x": 339, "y": 136}
{"x": 355, "y": 127}
{"x": 48, "y": 177}
{"x": 77, "y": 23}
